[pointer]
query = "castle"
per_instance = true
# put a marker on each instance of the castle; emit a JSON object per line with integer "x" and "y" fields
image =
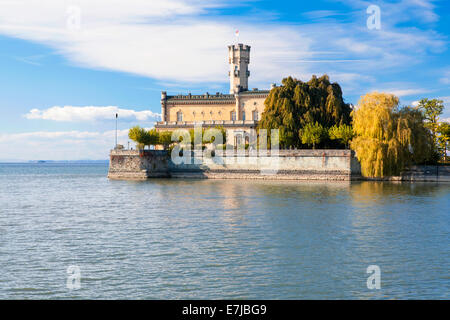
{"x": 237, "y": 112}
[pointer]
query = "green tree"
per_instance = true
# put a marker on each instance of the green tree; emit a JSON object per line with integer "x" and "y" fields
{"x": 150, "y": 138}
{"x": 146, "y": 138}
{"x": 143, "y": 137}
{"x": 387, "y": 139}
{"x": 208, "y": 140}
{"x": 153, "y": 137}
{"x": 343, "y": 133}
{"x": 312, "y": 134}
{"x": 295, "y": 104}
{"x": 138, "y": 135}
{"x": 165, "y": 139}
{"x": 443, "y": 138}
{"x": 431, "y": 110}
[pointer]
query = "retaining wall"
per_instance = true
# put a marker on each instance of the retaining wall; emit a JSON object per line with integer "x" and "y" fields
{"x": 285, "y": 165}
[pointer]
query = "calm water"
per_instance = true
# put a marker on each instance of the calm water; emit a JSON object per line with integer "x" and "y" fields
{"x": 212, "y": 239}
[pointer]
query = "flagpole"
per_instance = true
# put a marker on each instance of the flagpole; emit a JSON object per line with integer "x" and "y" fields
{"x": 116, "y": 131}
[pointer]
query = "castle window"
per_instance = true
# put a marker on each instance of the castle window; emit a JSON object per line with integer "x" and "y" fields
{"x": 233, "y": 116}
{"x": 179, "y": 116}
{"x": 255, "y": 115}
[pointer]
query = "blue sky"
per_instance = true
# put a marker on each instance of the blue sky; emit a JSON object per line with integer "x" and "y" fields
{"x": 67, "y": 66}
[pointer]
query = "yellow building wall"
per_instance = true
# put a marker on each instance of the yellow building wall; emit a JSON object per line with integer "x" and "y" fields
{"x": 208, "y": 112}
{"x": 250, "y": 104}
{"x": 205, "y": 112}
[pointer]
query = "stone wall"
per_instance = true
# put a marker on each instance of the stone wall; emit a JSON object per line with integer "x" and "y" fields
{"x": 134, "y": 165}
{"x": 288, "y": 165}
{"x": 425, "y": 174}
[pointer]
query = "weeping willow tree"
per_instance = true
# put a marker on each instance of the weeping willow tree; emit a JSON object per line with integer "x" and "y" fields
{"x": 388, "y": 138}
{"x": 294, "y": 104}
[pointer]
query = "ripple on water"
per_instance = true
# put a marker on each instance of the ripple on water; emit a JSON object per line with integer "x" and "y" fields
{"x": 218, "y": 239}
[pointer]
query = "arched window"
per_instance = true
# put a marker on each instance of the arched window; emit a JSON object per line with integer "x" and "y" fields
{"x": 243, "y": 115}
{"x": 233, "y": 115}
{"x": 255, "y": 115}
{"x": 179, "y": 116}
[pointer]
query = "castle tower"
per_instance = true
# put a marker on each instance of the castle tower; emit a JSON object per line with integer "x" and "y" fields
{"x": 239, "y": 58}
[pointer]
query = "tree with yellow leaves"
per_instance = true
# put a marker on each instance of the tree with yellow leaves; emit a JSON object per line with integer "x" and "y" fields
{"x": 388, "y": 138}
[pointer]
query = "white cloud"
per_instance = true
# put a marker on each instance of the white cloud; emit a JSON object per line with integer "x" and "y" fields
{"x": 60, "y": 145}
{"x": 175, "y": 40}
{"x": 406, "y": 92}
{"x": 446, "y": 100}
{"x": 400, "y": 92}
{"x": 446, "y": 78}
{"x": 49, "y": 135}
{"x": 321, "y": 14}
{"x": 89, "y": 113}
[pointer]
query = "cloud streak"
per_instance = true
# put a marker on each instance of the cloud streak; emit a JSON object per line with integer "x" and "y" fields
{"x": 90, "y": 114}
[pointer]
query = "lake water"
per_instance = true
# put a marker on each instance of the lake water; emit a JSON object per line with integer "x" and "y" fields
{"x": 218, "y": 239}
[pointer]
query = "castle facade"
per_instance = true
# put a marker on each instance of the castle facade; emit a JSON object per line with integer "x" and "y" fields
{"x": 237, "y": 112}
